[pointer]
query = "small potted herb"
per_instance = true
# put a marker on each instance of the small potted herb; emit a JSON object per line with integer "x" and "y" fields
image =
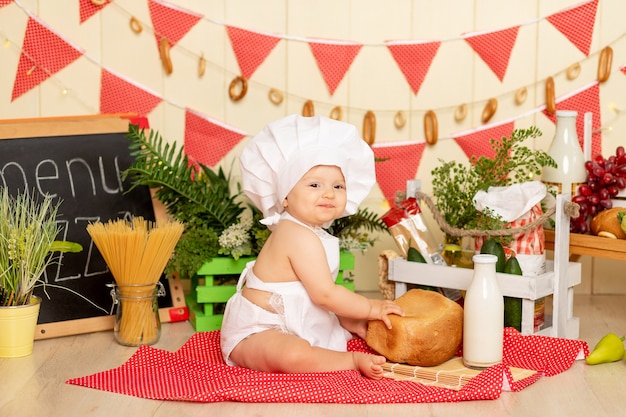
{"x": 28, "y": 231}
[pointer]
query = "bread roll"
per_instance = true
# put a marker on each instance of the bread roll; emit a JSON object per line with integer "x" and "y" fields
{"x": 606, "y": 221}
{"x": 429, "y": 334}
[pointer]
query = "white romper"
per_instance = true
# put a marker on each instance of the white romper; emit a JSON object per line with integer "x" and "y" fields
{"x": 296, "y": 312}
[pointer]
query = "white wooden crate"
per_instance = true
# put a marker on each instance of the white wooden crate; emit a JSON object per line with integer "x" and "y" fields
{"x": 559, "y": 280}
{"x": 528, "y": 289}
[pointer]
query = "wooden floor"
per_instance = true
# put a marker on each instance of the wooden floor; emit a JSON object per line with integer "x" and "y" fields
{"x": 35, "y": 385}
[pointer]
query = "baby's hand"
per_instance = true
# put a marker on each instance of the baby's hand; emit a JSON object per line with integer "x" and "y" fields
{"x": 379, "y": 309}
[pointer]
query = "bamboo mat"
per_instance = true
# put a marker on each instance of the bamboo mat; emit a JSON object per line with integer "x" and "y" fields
{"x": 451, "y": 374}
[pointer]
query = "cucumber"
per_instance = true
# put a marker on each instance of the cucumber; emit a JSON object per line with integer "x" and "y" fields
{"x": 512, "y": 266}
{"x": 493, "y": 247}
{"x": 413, "y": 255}
{"x": 512, "y": 305}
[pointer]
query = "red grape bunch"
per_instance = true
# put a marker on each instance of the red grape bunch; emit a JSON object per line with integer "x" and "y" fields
{"x": 605, "y": 179}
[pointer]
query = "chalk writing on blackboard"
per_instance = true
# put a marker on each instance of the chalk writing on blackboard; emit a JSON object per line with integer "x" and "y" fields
{"x": 84, "y": 173}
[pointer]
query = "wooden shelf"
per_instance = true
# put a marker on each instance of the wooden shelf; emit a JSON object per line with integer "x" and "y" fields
{"x": 600, "y": 247}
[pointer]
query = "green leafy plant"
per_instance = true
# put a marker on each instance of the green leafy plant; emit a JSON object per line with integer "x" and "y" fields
{"x": 455, "y": 184}
{"x": 191, "y": 193}
{"x": 28, "y": 230}
{"x": 354, "y": 231}
{"x": 216, "y": 221}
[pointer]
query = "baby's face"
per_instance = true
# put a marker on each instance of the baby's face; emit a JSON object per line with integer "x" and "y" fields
{"x": 319, "y": 196}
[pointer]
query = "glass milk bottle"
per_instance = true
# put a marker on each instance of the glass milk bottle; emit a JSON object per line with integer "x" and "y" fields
{"x": 483, "y": 318}
{"x": 567, "y": 153}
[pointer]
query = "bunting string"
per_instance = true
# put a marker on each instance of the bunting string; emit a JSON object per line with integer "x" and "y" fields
{"x": 304, "y": 39}
{"x": 65, "y": 90}
{"x": 469, "y": 37}
{"x": 296, "y": 98}
{"x": 334, "y": 58}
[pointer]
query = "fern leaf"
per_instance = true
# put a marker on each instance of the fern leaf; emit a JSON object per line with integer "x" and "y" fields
{"x": 187, "y": 191}
{"x": 362, "y": 219}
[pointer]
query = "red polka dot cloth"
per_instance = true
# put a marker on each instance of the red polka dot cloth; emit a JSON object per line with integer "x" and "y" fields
{"x": 197, "y": 373}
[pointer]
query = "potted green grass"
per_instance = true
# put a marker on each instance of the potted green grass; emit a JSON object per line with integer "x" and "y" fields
{"x": 28, "y": 230}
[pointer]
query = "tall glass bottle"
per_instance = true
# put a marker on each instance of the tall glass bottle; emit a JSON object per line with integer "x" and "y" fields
{"x": 483, "y": 318}
{"x": 567, "y": 152}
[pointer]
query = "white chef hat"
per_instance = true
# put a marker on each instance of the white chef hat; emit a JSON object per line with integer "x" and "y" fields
{"x": 277, "y": 157}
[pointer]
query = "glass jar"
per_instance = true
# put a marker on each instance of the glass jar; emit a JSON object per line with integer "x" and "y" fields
{"x": 454, "y": 255}
{"x": 137, "y": 320}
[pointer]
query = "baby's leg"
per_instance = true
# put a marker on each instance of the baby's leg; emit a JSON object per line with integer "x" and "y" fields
{"x": 275, "y": 351}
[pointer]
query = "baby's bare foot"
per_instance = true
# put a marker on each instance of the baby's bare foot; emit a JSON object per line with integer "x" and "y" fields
{"x": 369, "y": 365}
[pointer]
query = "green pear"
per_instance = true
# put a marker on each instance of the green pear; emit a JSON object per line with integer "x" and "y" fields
{"x": 609, "y": 349}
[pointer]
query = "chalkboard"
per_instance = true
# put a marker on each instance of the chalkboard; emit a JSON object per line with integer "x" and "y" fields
{"x": 83, "y": 172}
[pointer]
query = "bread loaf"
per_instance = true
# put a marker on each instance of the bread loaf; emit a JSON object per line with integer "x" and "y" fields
{"x": 606, "y": 221}
{"x": 429, "y": 334}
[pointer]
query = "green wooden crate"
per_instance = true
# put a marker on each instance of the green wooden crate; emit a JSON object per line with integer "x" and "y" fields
{"x": 346, "y": 263}
{"x": 219, "y": 269}
{"x": 207, "y": 298}
{"x": 201, "y": 321}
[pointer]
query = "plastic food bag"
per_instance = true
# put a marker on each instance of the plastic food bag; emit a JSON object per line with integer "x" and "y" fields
{"x": 406, "y": 225}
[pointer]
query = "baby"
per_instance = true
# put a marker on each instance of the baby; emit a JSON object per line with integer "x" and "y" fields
{"x": 288, "y": 315}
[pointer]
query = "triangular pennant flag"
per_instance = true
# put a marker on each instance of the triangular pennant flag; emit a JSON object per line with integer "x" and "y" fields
{"x": 171, "y": 22}
{"x": 207, "y": 141}
{"x": 44, "y": 53}
{"x": 586, "y": 100}
{"x": 88, "y": 8}
{"x": 478, "y": 143}
{"x": 623, "y": 69}
{"x": 250, "y": 48}
{"x": 141, "y": 121}
{"x": 577, "y": 24}
{"x": 333, "y": 60}
{"x": 121, "y": 96}
{"x": 495, "y": 48}
{"x": 414, "y": 60}
{"x": 396, "y": 165}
